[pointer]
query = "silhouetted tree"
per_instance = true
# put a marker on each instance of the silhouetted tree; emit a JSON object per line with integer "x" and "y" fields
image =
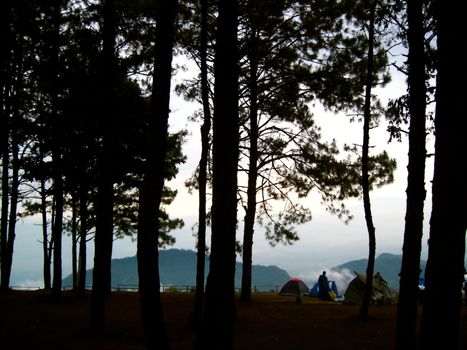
{"x": 104, "y": 202}
{"x": 203, "y": 168}
{"x": 57, "y": 148}
{"x": 408, "y": 291}
{"x": 155, "y": 172}
{"x": 5, "y": 42}
{"x": 17, "y": 93}
{"x": 446, "y": 246}
{"x": 280, "y": 143}
{"x": 13, "y": 189}
{"x": 365, "y": 163}
{"x": 280, "y": 140}
{"x": 216, "y": 330}
{"x": 5, "y": 132}
{"x": 83, "y": 231}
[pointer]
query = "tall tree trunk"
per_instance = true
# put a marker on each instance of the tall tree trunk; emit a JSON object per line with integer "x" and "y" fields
{"x": 14, "y": 191}
{"x": 365, "y": 172}
{"x": 203, "y": 170}
{"x": 57, "y": 226}
{"x": 446, "y": 253}
{"x": 217, "y": 324}
{"x": 5, "y": 15}
{"x": 4, "y": 283}
{"x": 5, "y": 42}
{"x": 74, "y": 239}
{"x": 105, "y": 194}
{"x": 406, "y": 329}
{"x": 5, "y": 147}
{"x": 57, "y": 164}
{"x": 45, "y": 238}
{"x": 252, "y": 173}
{"x": 83, "y": 214}
{"x": 153, "y": 181}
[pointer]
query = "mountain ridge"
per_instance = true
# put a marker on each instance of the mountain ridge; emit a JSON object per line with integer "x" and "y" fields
{"x": 177, "y": 267}
{"x": 389, "y": 265}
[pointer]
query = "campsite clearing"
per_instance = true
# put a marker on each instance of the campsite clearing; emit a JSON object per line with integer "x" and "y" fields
{"x": 31, "y": 320}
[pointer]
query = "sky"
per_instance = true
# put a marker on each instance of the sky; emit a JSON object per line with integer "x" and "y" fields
{"x": 324, "y": 242}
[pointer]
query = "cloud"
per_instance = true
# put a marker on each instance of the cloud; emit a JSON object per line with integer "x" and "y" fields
{"x": 342, "y": 278}
{"x": 28, "y": 284}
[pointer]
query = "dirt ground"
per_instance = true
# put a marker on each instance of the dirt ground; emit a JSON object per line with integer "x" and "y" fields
{"x": 31, "y": 320}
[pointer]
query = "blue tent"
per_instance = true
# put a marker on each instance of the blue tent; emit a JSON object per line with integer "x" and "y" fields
{"x": 315, "y": 290}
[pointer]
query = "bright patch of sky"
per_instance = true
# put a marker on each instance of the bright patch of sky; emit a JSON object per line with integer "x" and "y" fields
{"x": 324, "y": 242}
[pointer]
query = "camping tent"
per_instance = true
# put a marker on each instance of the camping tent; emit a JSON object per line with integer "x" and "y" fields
{"x": 380, "y": 293}
{"x": 314, "y": 292}
{"x": 294, "y": 287}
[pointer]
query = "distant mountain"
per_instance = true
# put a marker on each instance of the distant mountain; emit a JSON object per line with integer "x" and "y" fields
{"x": 389, "y": 265}
{"x": 177, "y": 267}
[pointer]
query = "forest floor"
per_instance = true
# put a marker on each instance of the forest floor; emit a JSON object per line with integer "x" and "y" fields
{"x": 32, "y": 320}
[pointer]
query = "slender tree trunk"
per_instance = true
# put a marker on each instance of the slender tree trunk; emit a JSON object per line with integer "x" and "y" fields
{"x": 365, "y": 172}
{"x": 153, "y": 181}
{"x": 103, "y": 240}
{"x": 57, "y": 226}
{"x": 83, "y": 213}
{"x": 45, "y": 238}
{"x": 5, "y": 42}
{"x": 217, "y": 324}
{"x": 74, "y": 240}
{"x": 57, "y": 164}
{"x": 13, "y": 190}
{"x": 203, "y": 170}
{"x": 252, "y": 173}
{"x": 448, "y": 224}
{"x": 5, "y": 145}
{"x": 13, "y": 213}
{"x": 5, "y": 14}
{"x": 406, "y": 329}
{"x": 105, "y": 194}
{"x": 4, "y": 284}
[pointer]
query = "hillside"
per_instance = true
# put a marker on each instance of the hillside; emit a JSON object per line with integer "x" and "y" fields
{"x": 178, "y": 268}
{"x": 389, "y": 265}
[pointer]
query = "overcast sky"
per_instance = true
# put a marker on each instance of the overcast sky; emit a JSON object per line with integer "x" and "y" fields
{"x": 324, "y": 242}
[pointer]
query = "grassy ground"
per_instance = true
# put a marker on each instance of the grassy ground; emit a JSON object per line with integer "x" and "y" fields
{"x": 31, "y": 320}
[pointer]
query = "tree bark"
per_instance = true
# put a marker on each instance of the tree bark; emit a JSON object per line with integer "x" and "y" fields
{"x": 58, "y": 187}
{"x": 446, "y": 253}
{"x": 5, "y": 83}
{"x": 203, "y": 170}
{"x": 5, "y": 37}
{"x": 103, "y": 240}
{"x": 83, "y": 230}
{"x": 14, "y": 192}
{"x": 365, "y": 171}
{"x": 4, "y": 284}
{"x": 45, "y": 238}
{"x": 57, "y": 226}
{"x": 406, "y": 329}
{"x": 153, "y": 181}
{"x": 216, "y": 330}
{"x": 74, "y": 240}
{"x": 250, "y": 214}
